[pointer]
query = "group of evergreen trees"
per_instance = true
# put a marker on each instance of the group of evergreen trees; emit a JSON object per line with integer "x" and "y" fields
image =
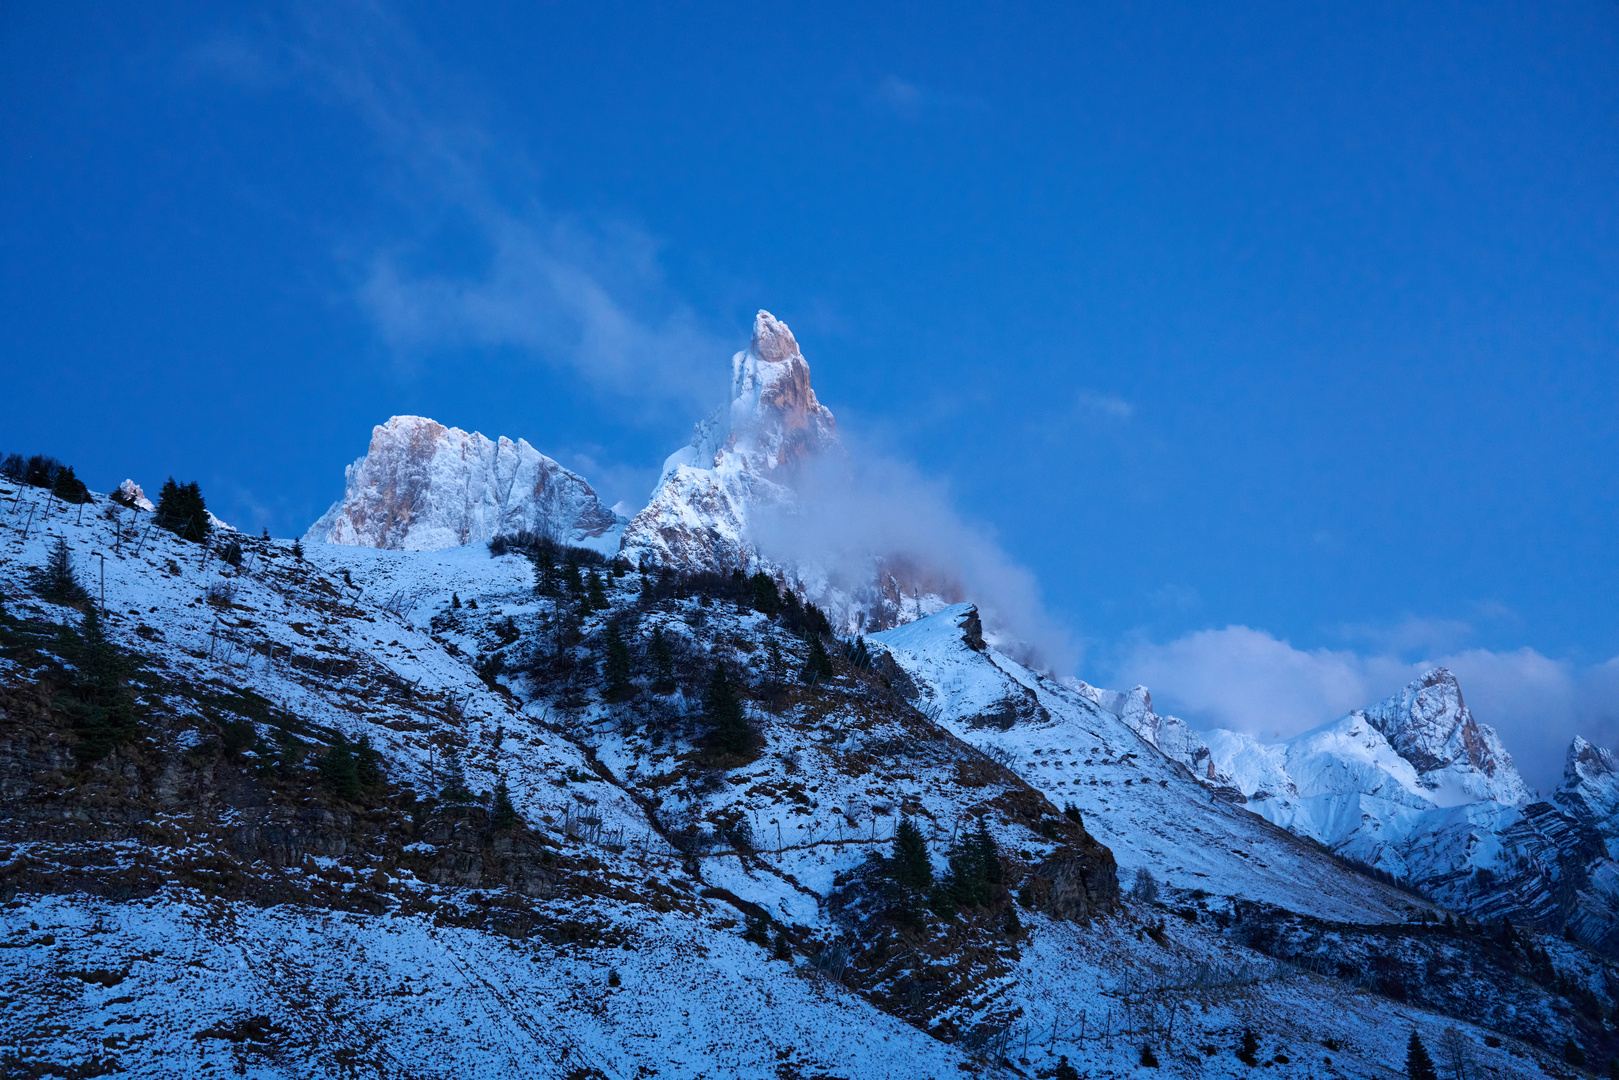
{"x": 351, "y": 768}
{"x": 974, "y": 878}
{"x": 182, "y": 511}
{"x": 46, "y": 472}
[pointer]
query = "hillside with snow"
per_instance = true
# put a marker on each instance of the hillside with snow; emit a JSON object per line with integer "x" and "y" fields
{"x": 228, "y": 883}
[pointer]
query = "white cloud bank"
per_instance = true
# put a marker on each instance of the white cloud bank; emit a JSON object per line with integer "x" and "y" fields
{"x": 1250, "y": 681}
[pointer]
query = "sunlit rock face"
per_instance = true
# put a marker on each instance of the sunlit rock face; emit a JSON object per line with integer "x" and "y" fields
{"x": 422, "y": 486}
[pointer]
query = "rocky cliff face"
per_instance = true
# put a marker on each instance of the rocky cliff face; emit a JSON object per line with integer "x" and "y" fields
{"x": 1458, "y": 759}
{"x": 422, "y": 486}
{"x": 741, "y": 461}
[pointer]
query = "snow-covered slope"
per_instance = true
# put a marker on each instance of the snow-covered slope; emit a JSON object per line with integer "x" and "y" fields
{"x": 422, "y": 486}
{"x": 208, "y": 898}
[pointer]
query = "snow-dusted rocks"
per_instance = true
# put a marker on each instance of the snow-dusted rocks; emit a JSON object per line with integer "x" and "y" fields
{"x": 1457, "y": 759}
{"x": 1590, "y": 790}
{"x": 422, "y": 487}
{"x": 740, "y": 462}
{"x": 130, "y": 494}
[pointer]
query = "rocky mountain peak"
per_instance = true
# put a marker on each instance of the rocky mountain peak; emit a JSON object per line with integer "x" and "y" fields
{"x": 422, "y": 486}
{"x": 1429, "y": 725}
{"x": 772, "y": 341}
{"x": 741, "y": 459}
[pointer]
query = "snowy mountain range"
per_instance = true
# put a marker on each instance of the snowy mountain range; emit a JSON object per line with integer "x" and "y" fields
{"x": 403, "y": 806}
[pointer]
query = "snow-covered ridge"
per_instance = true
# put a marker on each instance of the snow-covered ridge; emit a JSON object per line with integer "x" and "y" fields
{"x": 422, "y": 486}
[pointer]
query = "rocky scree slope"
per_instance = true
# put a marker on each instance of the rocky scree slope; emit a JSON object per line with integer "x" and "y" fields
{"x": 252, "y": 859}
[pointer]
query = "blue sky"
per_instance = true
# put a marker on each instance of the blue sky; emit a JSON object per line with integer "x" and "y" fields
{"x": 1278, "y": 341}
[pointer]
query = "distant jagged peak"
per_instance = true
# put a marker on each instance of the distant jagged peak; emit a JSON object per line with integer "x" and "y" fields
{"x": 423, "y": 486}
{"x": 1428, "y": 724}
{"x": 1587, "y": 761}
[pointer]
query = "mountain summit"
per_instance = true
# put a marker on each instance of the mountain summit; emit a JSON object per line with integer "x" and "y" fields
{"x": 742, "y": 460}
{"x": 422, "y": 486}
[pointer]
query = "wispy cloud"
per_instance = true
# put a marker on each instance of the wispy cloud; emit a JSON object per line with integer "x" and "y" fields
{"x": 585, "y": 295}
{"x": 914, "y": 101}
{"x": 1089, "y": 404}
{"x": 1249, "y": 680}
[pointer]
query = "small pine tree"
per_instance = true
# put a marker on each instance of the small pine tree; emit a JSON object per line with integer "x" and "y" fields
{"x": 297, "y": 548}
{"x": 663, "y": 662}
{"x": 570, "y": 577}
{"x": 975, "y": 869}
{"x": 616, "y": 667}
{"x": 232, "y": 553}
{"x": 339, "y": 769}
{"x": 505, "y": 814}
{"x": 455, "y": 601}
{"x": 910, "y": 865}
{"x": 598, "y": 595}
{"x": 728, "y": 728}
{"x": 1149, "y": 1060}
{"x": 1071, "y": 812}
{"x": 1064, "y": 1070}
{"x": 367, "y": 763}
{"x": 1014, "y": 925}
{"x": 1248, "y": 1051}
{"x": 766, "y": 598}
{"x": 819, "y": 665}
{"x": 68, "y": 487}
{"x": 784, "y": 947}
{"x": 97, "y": 703}
{"x": 1418, "y": 1065}
{"x": 455, "y": 780}
{"x": 55, "y": 581}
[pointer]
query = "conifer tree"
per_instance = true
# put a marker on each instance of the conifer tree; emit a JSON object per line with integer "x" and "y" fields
{"x": 297, "y": 548}
{"x": 819, "y": 665}
{"x": 910, "y": 865}
{"x": 340, "y": 769}
{"x": 728, "y": 728}
{"x": 68, "y": 487}
{"x": 455, "y": 780}
{"x": 55, "y": 581}
{"x": 1149, "y": 1059}
{"x": 1248, "y": 1051}
{"x": 98, "y": 703}
{"x": 1418, "y": 1065}
{"x": 571, "y": 578}
{"x": 1572, "y": 1054}
{"x": 975, "y": 869}
{"x": 598, "y": 596}
{"x": 182, "y": 510}
{"x": 1064, "y": 1070}
{"x": 616, "y": 667}
{"x": 663, "y": 662}
{"x": 766, "y": 599}
{"x": 505, "y": 814}
{"x": 784, "y": 947}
